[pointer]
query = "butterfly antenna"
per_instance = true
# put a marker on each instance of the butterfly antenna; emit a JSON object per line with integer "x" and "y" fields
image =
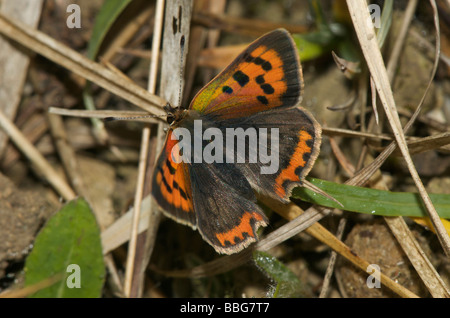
{"x": 112, "y": 118}
{"x": 182, "y": 41}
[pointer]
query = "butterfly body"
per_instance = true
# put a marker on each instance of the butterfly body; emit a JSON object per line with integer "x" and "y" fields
{"x": 243, "y": 133}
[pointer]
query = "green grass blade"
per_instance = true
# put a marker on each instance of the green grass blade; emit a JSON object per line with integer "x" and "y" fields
{"x": 108, "y": 13}
{"x": 373, "y": 201}
{"x": 386, "y": 21}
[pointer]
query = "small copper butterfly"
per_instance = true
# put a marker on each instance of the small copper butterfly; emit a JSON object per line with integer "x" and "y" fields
{"x": 257, "y": 95}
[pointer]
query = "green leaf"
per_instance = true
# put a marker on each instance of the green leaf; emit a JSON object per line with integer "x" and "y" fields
{"x": 108, "y": 13}
{"x": 68, "y": 245}
{"x": 373, "y": 201}
{"x": 287, "y": 283}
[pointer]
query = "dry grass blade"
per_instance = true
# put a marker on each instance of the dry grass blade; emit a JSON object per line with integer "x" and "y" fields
{"x": 152, "y": 223}
{"x": 369, "y": 45}
{"x": 415, "y": 145}
{"x": 144, "y": 152}
{"x": 422, "y": 264}
{"x": 46, "y": 46}
{"x": 29, "y": 290}
{"x": 426, "y": 44}
{"x": 125, "y": 34}
{"x": 341, "y": 158}
{"x": 331, "y": 131}
{"x": 395, "y": 54}
{"x": 38, "y": 161}
{"x": 374, "y": 100}
{"x": 136, "y": 214}
{"x": 332, "y": 261}
{"x": 119, "y": 232}
{"x": 427, "y": 143}
{"x": 397, "y": 225}
{"x": 430, "y": 122}
{"x": 423, "y": 267}
{"x": 365, "y": 173}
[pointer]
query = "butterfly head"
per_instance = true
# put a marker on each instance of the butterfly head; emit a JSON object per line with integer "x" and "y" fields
{"x": 174, "y": 114}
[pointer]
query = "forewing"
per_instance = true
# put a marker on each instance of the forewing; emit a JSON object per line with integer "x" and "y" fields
{"x": 265, "y": 76}
{"x": 171, "y": 186}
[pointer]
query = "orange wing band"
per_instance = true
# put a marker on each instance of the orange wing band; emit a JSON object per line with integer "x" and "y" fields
{"x": 288, "y": 174}
{"x": 237, "y": 233}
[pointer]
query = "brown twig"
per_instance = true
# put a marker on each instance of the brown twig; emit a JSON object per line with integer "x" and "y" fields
{"x": 243, "y": 26}
{"x": 78, "y": 64}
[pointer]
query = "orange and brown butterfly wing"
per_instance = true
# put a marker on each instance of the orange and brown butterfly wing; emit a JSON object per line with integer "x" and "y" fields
{"x": 267, "y": 75}
{"x": 171, "y": 186}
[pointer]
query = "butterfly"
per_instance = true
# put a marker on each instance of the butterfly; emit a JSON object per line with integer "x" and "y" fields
{"x": 257, "y": 95}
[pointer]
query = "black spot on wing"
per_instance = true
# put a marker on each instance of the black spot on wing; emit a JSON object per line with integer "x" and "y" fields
{"x": 266, "y": 66}
{"x": 267, "y": 88}
{"x": 260, "y": 79}
{"x": 170, "y": 167}
{"x": 262, "y": 99}
{"x": 241, "y": 78}
{"x": 164, "y": 181}
{"x": 227, "y": 89}
{"x": 182, "y": 192}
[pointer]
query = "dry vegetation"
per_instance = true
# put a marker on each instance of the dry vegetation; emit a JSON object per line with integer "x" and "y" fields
{"x": 47, "y": 159}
